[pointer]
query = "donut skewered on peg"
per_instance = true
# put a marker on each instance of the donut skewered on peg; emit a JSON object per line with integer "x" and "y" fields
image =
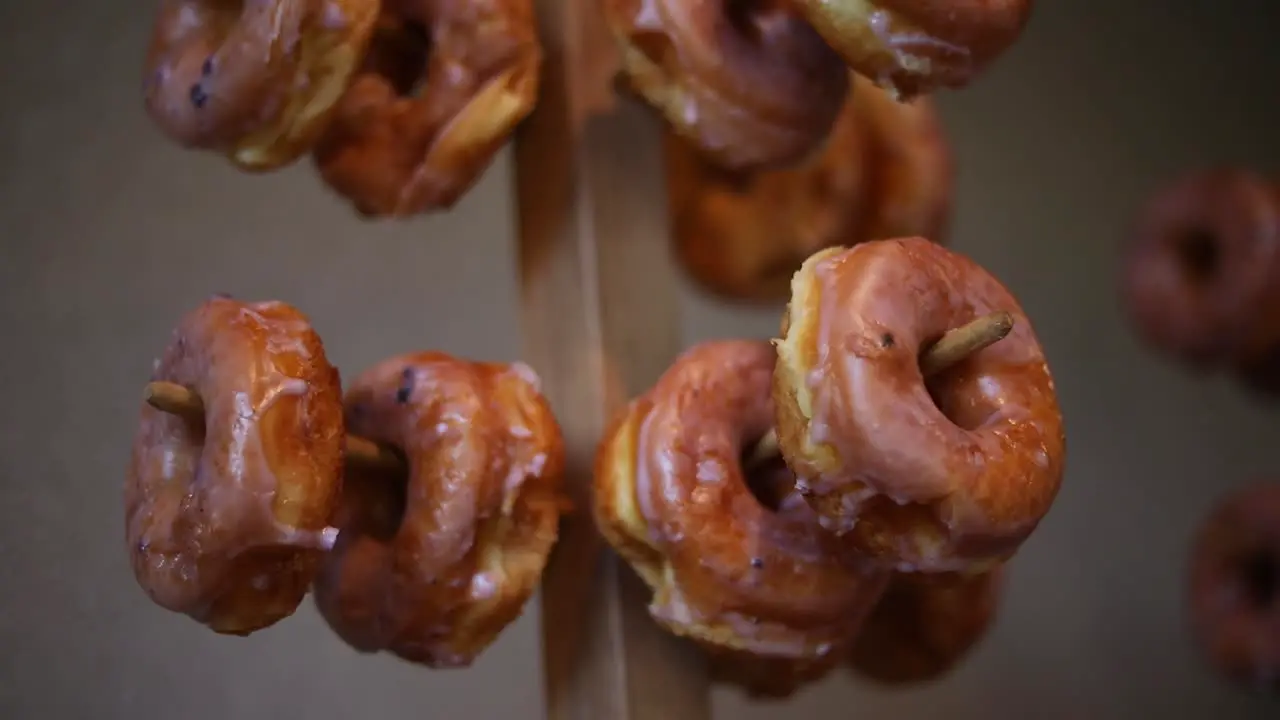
{"x": 986, "y": 437}
{"x": 255, "y": 81}
{"x": 429, "y": 543}
{"x": 746, "y": 580}
{"x": 433, "y": 562}
{"x": 227, "y": 503}
{"x": 750, "y": 84}
{"x": 443, "y": 86}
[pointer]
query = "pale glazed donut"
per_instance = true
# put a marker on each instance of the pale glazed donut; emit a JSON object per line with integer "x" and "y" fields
{"x": 254, "y": 80}
{"x": 1201, "y": 278}
{"x": 913, "y": 47}
{"x": 434, "y": 566}
{"x": 1234, "y": 586}
{"x": 226, "y": 522}
{"x": 444, "y": 85}
{"x": 885, "y": 171}
{"x": 907, "y": 483}
{"x": 925, "y": 625}
{"x": 748, "y": 83}
{"x": 672, "y": 498}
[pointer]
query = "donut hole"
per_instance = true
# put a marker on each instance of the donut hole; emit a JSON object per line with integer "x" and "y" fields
{"x": 959, "y": 398}
{"x": 746, "y": 17}
{"x": 374, "y": 503}
{"x": 400, "y": 54}
{"x": 767, "y": 476}
{"x": 1199, "y": 253}
{"x": 1260, "y": 574}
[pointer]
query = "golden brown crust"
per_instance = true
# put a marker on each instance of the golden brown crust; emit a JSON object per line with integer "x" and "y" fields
{"x": 749, "y": 84}
{"x": 885, "y": 171}
{"x": 768, "y": 678}
{"x": 443, "y": 87}
{"x": 225, "y": 523}
{"x": 672, "y": 498}
{"x": 742, "y": 235}
{"x": 1234, "y": 586}
{"x": 912, "y": 173}
{"x": 1201, "y": 275}
{"x": 925, "y": 624}
{"x": 432, "y": 567}
{"x": 256, "y": 81}
{"x": 908, "y": 483}
{"x": 911, "y": 47}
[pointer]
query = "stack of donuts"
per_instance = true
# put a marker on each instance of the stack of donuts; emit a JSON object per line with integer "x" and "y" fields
{"x": 799, "y": 125}
{"x": 851, "y": 492}
{"x": 402, "y": 104}
{"x": 848, "y": 493}
{"x": 421, "y": 506}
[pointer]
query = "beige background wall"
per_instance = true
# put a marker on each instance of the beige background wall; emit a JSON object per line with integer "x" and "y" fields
{"x": 108, "y": 234}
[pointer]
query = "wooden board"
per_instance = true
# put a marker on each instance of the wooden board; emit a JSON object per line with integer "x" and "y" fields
{"x": 601, "y": 322}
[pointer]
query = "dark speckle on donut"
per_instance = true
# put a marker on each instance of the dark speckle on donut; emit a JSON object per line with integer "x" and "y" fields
{"x": 757, "y": 563}
{"x": 198, "y": 96}
{"x": 405, "y": 391}
{"x": 886, "y": 340}
{"x": 206, "y": 69}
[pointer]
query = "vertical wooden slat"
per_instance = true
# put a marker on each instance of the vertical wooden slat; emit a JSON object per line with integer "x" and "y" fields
{"x": 601, "y": 322}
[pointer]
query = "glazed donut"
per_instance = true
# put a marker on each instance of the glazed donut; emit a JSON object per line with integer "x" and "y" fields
{"x": 432, "y": 566}
{"x": 672, "y": 497}
{"x": 748, "y": 83}
{"x": 225, "y": 519}
{"x": 913, "y": 47}
{"x": 884, "y": 172}
{"x": 256, "y": 81}
{"x": 1235, "y": 586}
{"x": 1201, "y": 278}
{"x": 925, "y": 624}
{"x": 952, "y": 476}
{"x": 912, "y": 173}
{"x": 443, "y": 86}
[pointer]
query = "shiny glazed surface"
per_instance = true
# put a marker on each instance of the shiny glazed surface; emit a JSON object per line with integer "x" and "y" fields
{"x": 952, "y": 476}
{"x": 256, "y": 80}
{"x": 751, "y": 85}
{"x": 432, "y": 566}
{"x": 443, "y": 86}
{"x": 913, "y": 47}
{"x": 225, "y": 520}
{"x": 726, "y": 570}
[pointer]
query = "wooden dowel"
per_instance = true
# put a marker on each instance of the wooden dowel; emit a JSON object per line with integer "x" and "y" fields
{"x": 951, "y": 348}
{"x": 178, "y": 400}
{"x": 600, "y": 314}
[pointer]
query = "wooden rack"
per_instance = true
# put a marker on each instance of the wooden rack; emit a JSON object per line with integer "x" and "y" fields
{"x": 601, "y": 322}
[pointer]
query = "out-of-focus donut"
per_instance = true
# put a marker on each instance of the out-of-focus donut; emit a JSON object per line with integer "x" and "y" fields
{"x": 1234, "y": 585}
{"x": 444, "y": 85}
{"x": 925, "y": 624}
